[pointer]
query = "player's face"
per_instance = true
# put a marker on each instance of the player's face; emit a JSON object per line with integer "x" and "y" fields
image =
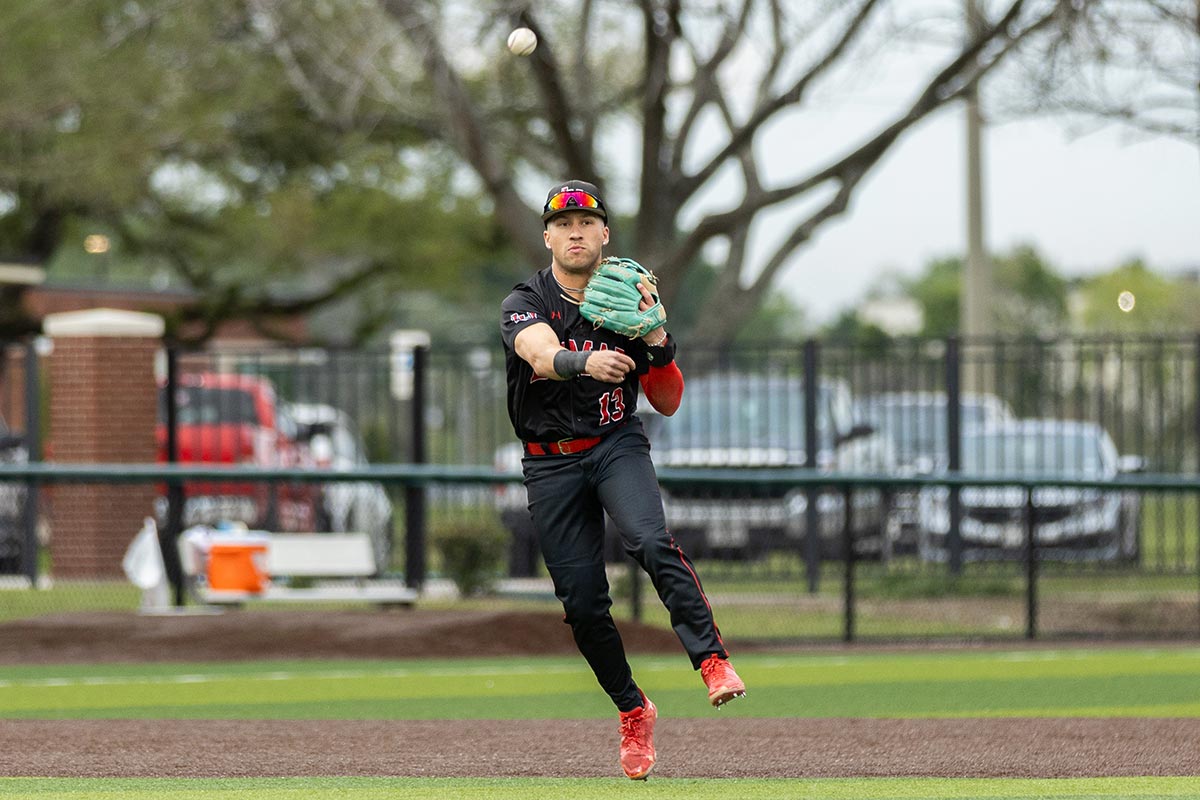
{"x": 576, "y": 240}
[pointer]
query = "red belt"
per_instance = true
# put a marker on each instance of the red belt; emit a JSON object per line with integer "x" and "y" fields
{"x": 563, "y": 447}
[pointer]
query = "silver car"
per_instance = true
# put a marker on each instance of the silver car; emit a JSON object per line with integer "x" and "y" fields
{"x": 749, "y": 422}
{"x": 1071, "y": 524}
{"x": 917, "y": 425}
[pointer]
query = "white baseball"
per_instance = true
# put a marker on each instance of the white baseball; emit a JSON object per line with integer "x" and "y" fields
{"x": 522, "y": 41}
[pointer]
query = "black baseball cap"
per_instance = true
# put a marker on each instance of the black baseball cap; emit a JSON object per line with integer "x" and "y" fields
{"x": 573, "y": 196}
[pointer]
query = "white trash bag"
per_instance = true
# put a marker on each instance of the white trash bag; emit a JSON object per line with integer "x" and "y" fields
{"x": 143, "y": 562}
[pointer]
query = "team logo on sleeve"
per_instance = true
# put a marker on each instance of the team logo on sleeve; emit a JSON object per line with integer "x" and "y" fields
{"x": 522, "y": 316}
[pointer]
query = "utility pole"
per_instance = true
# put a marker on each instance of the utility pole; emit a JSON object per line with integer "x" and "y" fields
{"x": 975, "y": 317}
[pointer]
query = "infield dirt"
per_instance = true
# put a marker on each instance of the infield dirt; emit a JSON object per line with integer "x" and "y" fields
{"x": 713, "y": 747}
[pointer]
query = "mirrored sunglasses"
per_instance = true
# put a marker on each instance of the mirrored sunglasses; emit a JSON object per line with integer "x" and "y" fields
{"x": 573, "y": 199}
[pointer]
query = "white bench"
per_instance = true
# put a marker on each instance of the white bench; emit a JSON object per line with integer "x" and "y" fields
{"x": 340, "y": 566}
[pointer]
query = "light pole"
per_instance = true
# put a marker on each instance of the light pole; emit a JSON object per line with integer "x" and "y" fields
{"x": 975, "y": 317}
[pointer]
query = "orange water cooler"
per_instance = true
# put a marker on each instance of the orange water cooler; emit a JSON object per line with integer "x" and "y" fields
{"x": 238, "y": 564}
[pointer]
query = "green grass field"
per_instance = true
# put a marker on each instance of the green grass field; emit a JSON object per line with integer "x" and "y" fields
{"x": 1034, "y": 683}
{"x": 1110, "y": 682}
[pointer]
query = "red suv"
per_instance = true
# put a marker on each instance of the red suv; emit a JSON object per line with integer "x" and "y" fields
{"x": 238, "y": 419}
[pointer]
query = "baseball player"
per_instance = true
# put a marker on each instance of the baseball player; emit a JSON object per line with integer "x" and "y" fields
{"x": 572, "y": 398}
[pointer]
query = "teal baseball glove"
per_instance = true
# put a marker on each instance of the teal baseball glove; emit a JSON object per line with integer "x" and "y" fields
{"x": 612, "y": 298}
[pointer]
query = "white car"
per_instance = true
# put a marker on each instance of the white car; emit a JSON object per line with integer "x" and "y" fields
{"x": 334, "y": 443}
{"x": 1072, "y": 524}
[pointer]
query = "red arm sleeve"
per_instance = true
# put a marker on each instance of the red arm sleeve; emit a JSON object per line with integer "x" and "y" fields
{"x": 663, "y": 387}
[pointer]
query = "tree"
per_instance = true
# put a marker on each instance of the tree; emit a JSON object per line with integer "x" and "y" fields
{"x": 277, "y": 157}
{"x": 850, "y": 328}
{"x": 937, "y": 291}
{"x": 1030, "y": 297}
{"x": 777, "y": 321}
{"x": 1133, "y": 63}
{"x": 1152, "y": 302}
{"x": 171, "y": 127}
{"x": 697, "y": 87}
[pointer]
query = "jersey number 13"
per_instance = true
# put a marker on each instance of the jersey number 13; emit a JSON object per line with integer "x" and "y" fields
{"x": 612, "y": 406}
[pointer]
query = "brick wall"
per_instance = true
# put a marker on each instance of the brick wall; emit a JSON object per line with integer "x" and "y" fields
{"x": 103, "y": 398}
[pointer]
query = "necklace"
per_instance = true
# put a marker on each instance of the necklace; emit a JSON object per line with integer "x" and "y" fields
{"x": 567, "y": 289}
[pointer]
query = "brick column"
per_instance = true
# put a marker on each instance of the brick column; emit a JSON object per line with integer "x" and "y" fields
{"x": 103, "y": 409}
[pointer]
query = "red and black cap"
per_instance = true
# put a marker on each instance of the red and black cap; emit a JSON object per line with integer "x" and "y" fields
{"x": 573, "y": 196}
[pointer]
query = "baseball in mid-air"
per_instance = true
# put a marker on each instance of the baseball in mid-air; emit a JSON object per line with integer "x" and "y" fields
{"x": 522, "y": 41}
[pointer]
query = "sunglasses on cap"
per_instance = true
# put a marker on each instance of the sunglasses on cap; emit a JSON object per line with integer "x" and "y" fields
{"x": 574, "y": 199}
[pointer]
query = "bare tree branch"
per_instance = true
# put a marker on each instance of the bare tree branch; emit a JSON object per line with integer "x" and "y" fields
{"x": 661, "y": 24}
{"x": 1135, "y": 63}
{"x": 270, "y": 26}
{"x": 767, "y": 110}
{"x": 949, "y": 84}
{"x": 467, "y": 130}
{"x": 572, "y": 91}
{"x": 704, "y": 85}
{"x": 576, "y": 151}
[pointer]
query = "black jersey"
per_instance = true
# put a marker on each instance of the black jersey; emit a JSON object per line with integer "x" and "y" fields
{"x": 544, "y": 410}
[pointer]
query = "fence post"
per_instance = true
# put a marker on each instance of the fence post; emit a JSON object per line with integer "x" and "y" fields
{"x": 1030, "y": 566}
{"x": 812, "y": 523}
{"x": 954, "y": 448}
{"x": 1196, "y": 422}
{"x": 168, "y": 539}
{"x": 414, "y": 495}
{"x": 1195, "y": 397}
{"x": 33, "y": 450}
{"x": 636, "y": 588}
{"x": 848, "y": 547}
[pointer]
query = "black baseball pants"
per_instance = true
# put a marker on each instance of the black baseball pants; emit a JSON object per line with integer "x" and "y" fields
{"x": 568, "y": 495}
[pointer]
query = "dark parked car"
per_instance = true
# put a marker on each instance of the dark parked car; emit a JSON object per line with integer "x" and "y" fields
{"x": 917, "y": 425}
{"x": 750, "y": 422}
{"x": 1072, "y": 524}
{"x": 12, "y": 503}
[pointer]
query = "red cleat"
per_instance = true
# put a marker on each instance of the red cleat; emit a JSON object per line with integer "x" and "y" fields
{"x": 637, "y": 740}
{"x": 722, "y": 682}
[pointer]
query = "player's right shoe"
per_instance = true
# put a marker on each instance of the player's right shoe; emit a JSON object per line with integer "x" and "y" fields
{"x": 722, "y": 682}
{"x": 637, "y": 740}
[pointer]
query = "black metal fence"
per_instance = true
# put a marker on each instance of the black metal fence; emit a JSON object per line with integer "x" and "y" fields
{"x": 764, "y": 600}
{"x": 909, "y": 558}
{"x": 1143, "y": 391}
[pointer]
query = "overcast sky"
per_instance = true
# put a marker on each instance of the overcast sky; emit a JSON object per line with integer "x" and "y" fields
{"x": 1087, "y": 204}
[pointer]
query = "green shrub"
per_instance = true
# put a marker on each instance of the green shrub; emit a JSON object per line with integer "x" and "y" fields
{"x": 472, "y": 555}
